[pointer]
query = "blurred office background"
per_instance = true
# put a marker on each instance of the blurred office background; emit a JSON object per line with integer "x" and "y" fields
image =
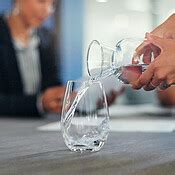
{"x": 77, "y": 22}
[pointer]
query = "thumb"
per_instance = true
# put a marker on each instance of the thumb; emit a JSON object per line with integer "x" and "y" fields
{"x": 157, "y": 41}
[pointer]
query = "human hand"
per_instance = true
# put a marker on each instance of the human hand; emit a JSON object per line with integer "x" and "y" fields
{"x": 161, "y": 71}
{"x": 166, "y": 29}
{"x": 52, "y": 99}
{"x": 149, "y": 50}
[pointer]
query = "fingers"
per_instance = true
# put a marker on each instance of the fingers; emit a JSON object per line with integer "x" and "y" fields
{"x": 145, "y": 78}
{"x": 130, "y": 73}
{"x": 142, "y": 48}
{"x": 157, "y": 41}
{"x": 55, "y": 106}
{"x": 155, "y": 51}
{"x": 155, "y": 76}
{"x": 150, "y": 48}
{"x": 153, "y": 84}
{"x": 169, "y": 34}
{"x": 147, "y": 55}
{"x": 150, "y": 53}
{"x": 163, "y": 85}
{"x": 52, "y": 99}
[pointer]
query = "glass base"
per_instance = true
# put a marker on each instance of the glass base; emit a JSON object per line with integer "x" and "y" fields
{"x": 97, "y": 145}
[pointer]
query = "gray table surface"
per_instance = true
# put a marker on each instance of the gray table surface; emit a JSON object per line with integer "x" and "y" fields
{"x": 25, "y": 150}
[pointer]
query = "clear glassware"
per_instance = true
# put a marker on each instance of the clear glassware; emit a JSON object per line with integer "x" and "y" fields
{"x": 85, "y": 116}
{"x": 104, "y": 61}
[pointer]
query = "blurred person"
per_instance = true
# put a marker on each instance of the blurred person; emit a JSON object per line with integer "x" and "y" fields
{"x": 28, "y": 69}
{"x": 161, "y": 71}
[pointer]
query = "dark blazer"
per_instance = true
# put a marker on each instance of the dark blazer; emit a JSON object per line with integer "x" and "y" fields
{"x": 13, "y": 101}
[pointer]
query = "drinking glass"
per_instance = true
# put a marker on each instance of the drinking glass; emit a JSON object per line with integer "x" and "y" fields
{"x": 122, "y": 61}
{"x": 85, "y": 116}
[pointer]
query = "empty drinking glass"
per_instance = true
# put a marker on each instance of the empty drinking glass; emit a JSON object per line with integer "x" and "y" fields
{"x": 85, "y": 116}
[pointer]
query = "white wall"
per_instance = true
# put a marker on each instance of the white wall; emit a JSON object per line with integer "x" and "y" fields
{"x": 164, "y": 8}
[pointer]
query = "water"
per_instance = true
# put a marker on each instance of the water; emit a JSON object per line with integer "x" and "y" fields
{"x": 90, "y": 132}
{"x": 86, "y": 144}
{"x": 125, "y": 74}
{"x": 85, "y": 132}
{"x": 90, "y": 138}
{"x": 71, "y": 111}
{"x": 130, "y": 73}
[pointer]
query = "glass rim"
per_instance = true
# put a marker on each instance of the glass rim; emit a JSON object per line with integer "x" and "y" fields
{"x": 102, "y": 47}
{"x": 88, "y": 53}
{"x": 70, "y": 84}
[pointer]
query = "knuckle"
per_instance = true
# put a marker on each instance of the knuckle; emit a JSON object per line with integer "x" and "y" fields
{"x": 160, "y": 76}
{"x": 142, "y": 81}
{"x": 155, "y": 66}
{"x": 168, "y": 35}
